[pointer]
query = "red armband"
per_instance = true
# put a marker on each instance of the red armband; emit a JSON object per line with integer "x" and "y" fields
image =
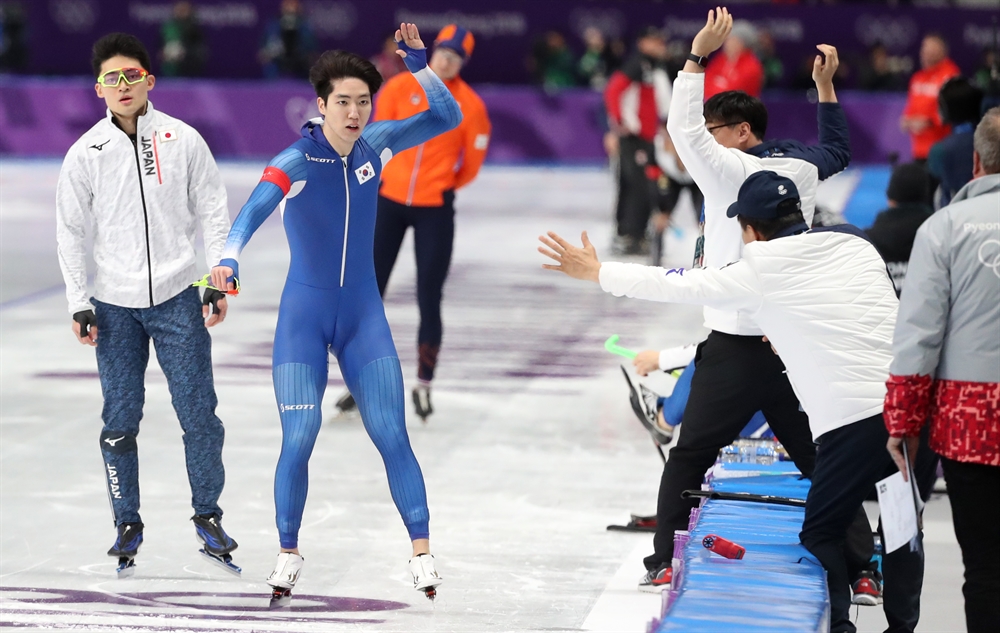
{"x": 275, "y": 176}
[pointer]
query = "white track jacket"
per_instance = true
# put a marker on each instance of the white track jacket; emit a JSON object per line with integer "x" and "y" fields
{"x": 141, "y": 204}
{"x": 823, "y": 298}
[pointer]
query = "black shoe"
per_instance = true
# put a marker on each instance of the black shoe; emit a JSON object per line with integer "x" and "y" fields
{"x": 128, "y": 542}
{"x": 346, "y": 403}
{"x": 422, "y": 401}
{"x": 208, "y": 529}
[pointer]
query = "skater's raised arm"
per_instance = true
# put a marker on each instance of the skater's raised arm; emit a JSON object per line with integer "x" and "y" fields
{"x": 285, "y": 170}
{"x": 443, "y": 113}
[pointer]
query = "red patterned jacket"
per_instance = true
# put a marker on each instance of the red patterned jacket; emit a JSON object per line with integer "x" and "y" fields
{"x": 946, "y": 347}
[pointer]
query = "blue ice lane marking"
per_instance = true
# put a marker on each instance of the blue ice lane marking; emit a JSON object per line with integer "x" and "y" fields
{"x": 869, "y": 196}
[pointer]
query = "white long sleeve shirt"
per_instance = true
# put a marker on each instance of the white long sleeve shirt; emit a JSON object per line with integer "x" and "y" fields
{"x": 142, "y": 203}
{"x": 719, "y": 172}
{"x": 824, "y": 300}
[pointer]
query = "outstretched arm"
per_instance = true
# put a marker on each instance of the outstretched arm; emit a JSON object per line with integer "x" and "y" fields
{"x": 286, "y": 169}
{"x": 733, "y": 287}
{"x": 443, "y": 115}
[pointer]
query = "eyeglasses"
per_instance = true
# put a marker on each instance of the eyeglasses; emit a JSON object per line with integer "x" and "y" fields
{"x": 131, "y": 76}
{"x": 715, "y": 127}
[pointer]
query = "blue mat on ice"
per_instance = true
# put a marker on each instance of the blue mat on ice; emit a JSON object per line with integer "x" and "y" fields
{"x": 777, "y": 586}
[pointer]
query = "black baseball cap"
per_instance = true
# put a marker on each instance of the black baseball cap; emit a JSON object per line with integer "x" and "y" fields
{"x": 765, "y": 196}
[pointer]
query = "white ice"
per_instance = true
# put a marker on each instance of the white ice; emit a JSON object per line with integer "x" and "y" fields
{"x": 532, "y": 452}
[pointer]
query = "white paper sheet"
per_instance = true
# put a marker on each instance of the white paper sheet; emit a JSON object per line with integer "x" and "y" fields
{"x": 899, "y": 513}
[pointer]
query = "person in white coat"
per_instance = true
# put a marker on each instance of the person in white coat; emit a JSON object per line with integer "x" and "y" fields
{"x": 139, "y": 183}
{"x": 824, "y": 300}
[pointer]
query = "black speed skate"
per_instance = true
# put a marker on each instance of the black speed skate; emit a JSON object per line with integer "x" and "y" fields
{"x": 126, "y": 547}
{"x": 346, "y": 407}
{"x": 217, "y": 544}
{"x": 422, "y": 401}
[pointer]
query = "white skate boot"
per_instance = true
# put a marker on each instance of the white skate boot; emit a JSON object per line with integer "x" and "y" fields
{"x": 425, "y": 577}
{"x": 283, "y": 578}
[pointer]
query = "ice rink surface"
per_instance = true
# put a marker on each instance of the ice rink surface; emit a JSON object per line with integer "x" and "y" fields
{"x": 531, "y": 452}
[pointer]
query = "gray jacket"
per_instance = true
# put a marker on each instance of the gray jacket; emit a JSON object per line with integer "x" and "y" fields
{"x": 949, "y": 312}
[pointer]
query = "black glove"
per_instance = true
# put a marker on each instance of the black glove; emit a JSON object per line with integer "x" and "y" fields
{"x": 85, "y": 318}
{"x": 212, "y": 296}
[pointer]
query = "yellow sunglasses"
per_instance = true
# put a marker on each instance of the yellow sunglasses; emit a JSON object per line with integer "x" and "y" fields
{"x": 131, "y": 76}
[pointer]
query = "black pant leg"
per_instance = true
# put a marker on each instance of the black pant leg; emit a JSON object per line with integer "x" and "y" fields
{"x": 391, "y": 223}
{"x": 634, "y": 190}
{"x": 723, "y": 399}
{"x": 849, "y": 461}
{"x": 433, "y": 234}
{"x": 973, "y": 490}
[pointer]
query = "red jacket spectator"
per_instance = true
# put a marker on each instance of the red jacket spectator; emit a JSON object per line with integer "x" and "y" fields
{"x": 742, "y": 73}
{"x": 637, "y": 98}
{"x": 920, "y": 116}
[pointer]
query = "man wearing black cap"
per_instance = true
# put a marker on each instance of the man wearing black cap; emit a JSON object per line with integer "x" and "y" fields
{"x": 825, "y": 302}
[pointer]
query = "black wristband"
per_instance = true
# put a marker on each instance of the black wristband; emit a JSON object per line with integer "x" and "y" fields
{"x": 701, "y": 61}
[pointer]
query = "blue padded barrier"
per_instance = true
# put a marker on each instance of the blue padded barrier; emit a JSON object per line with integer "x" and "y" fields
{"x": 776, "y": 586}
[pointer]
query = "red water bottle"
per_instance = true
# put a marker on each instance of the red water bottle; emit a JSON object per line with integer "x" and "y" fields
{"x": 723, "y": 547}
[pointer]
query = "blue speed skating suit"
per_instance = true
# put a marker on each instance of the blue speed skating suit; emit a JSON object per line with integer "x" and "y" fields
{"x": 331, "y": 302}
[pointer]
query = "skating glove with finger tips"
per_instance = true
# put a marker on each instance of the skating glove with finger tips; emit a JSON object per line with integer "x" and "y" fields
{"x": 212, "y": 296}
{"x": 86, "y": 319}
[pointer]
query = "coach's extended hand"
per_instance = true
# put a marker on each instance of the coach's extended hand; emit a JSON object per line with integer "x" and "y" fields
{"x": 578, "y": 263}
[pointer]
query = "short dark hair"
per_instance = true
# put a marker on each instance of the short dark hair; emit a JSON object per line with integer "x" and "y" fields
{"x": 767, "y": 228}
{"x": 736, "y": 106}
{"x": 123, "y": 44}
{"x": 959, "y": 101}
{"x": 335, "y": 65}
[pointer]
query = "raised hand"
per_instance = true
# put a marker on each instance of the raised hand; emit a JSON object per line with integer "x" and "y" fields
{"x": 578, "y": 263}
{"x": 717, "y": 28}
{"x": 409, "y": 35}
{"x": 824, "y": 69}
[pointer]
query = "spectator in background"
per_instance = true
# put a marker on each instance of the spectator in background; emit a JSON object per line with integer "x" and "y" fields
{"x": 950, "y": 159}
{"x": 986, "y": 73}
{"x": 13, "y": 38}
{"x": 774, "y": 69}
{"x": 921, "y": 119}
{"x": 894, "y": 228}
{"x": 877, "y": 75}
{"x": 183, "y": 51}
{"x": 288, "y": 45}
{"x": 946, "y": 368}
{"x": 598, "y": 61}
{"x": 637, "y": 99}
{"x": 551, "y": 62}
{"x": 387, "y": 62}
{"x": 737, "y": 68}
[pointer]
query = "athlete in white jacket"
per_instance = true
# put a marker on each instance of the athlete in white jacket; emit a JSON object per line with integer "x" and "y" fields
{"x": 826, "y": 303}
{"x": 139, "y": 183}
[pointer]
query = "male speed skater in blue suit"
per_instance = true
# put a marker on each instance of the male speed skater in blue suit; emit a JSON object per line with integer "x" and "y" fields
{"x": 328, "y": 182}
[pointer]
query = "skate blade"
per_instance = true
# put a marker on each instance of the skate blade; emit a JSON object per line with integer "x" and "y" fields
{"x": 280, "y": 597}
{"x": 225, "y": 562}
{"x": 126, "y": 568}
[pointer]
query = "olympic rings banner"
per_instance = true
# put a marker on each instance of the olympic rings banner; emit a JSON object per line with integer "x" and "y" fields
{"x": 59, "y": 33}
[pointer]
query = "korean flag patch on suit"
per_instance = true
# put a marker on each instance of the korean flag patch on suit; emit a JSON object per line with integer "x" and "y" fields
{"x": 365, "y": 172}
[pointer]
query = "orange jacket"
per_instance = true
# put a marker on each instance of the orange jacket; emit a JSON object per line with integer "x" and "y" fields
{"x": 922, "y": 102}
{"x": 420, "y": 175}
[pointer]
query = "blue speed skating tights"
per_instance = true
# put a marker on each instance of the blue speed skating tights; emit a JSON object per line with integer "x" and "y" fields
{"x": 674, "y": 404}
{"x": 349, "y": 322}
